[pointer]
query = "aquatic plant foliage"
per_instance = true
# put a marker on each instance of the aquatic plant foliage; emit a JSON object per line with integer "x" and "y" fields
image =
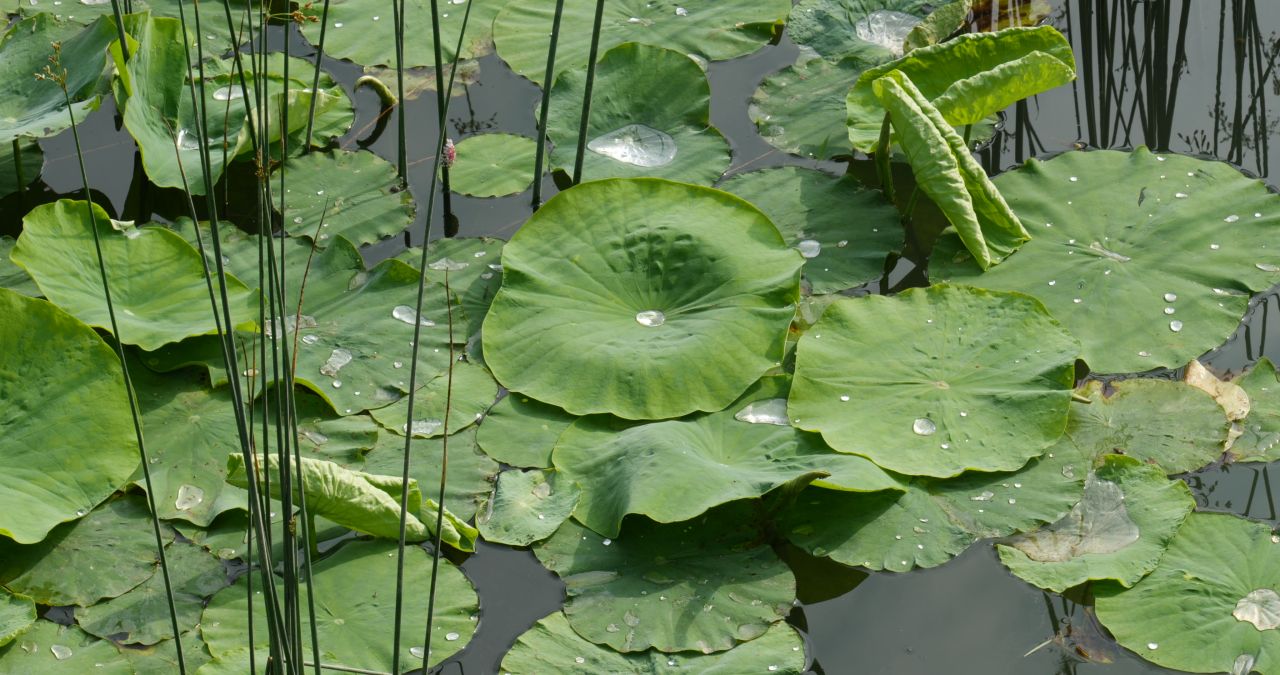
{"x": 356, "y": 193}
{"x": 1259, "y": 440}
{"x": 363, "y": 31}
{"x": 871, "y": 30}
{"x": 32, "y": 108}
{"x": 521, "y": 431}
{"x": 17, "y": 614}
{"x": 471, "y": 472}
{"x": 527, "y": 506}
{"x": 492, "y": 165}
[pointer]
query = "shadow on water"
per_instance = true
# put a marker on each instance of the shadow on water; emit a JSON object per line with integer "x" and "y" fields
{"x": 1190, "y": 76}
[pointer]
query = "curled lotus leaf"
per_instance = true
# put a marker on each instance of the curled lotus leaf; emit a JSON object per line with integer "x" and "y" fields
{"x": 34, "y": 108}
{"x": 471, "y": 472}
{"x": 1260, "y": 437}
{"x": 667, "y": 299}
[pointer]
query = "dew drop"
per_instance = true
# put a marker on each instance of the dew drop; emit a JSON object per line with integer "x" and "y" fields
{"x": 579, "y": 660}
{"x": 1153, "y": 646}
{"x": 337, "y": 384}
{"x": 451, "y": 636}
{"x": 844, "y": 397}
{"x": 886, "y": 28}
{"x": 984, "y": 497}
{"x": 416, "y": 651}
{"x": 1077, "y": 300}
{"x": 231, "y": 94}
{"x": 1170, "y": 297}
{"x": 406, "y": 314}
{"x": 1144, "y": 354}
{"x": 923, "y": 426}
{"x": 337, "y": 359}
{"x": 606, "y": 541}
{"x": 1231, "y": 218}
{"x": 651, "y": 318}
{"x": 1053, "y": 282}
{"x": 809, "y": 248}
{"x": 1214, "y": 247}
{"x": 423, "y": 428}
{"x": 310, "y": 339}
{"x": 1169, "y": 310}
{"x": 189, "y": 496}
{"x": 1074, "y": 179}
{"x": 1175, "y": 326}
{"x": 397, "y": 364}
{"x": 1180, "y": 195}
{"x": 60, "y": 652}
{"x": 680, "y": 11}
{"x": 636, "y": 144}
{"x": 842, "y": 243}
{"x": 1267, "y": 267}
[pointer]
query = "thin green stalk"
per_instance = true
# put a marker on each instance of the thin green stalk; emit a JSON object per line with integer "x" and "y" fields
{"x": 402, "y": 157}
{"x": 315, "y": 77}
{"x": 882, "y": 159}
{"x": 17, "y": 166}
{"x": 119, "y": 17}
{"x": 546, "y": 104}
{"x": 57, "y": 74}
{"x": 444, "y": 475}
{"x": 584, "y": 121}
{"x": 442, "y": 96}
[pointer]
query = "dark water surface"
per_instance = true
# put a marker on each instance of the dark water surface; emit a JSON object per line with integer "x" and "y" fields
{"x": 1193, "y": 76}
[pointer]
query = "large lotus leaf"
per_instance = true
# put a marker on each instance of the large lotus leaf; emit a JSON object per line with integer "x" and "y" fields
{"x": 54, "y": 369}
{"x": 843, "y": 230}
{"x": 665, "y": 298}
{"x": 213, "y": 22}
{"x": 356, "y": 329}
{"x": 947, "y": 172}
{"x": 475, "y": 282}
{"x": 961, "y": 378}
{"x": 650, "y": 116}
{"x": 715, "y": 29}
{"x": 103, "y": 555}
{"x": 16, "y": 173}
{"x": 551, "y": 646}
{"x": 934, "y": 520}
{"x": 1118, "y": 530}
{"x": 1161, "y": 422}
{"x": 357, "y": 193}
{"x": 872, "y": 30}
{"x": 521, "y": 431}
{"x": 363, "y": 31}
{"x": 17, "y": 613}
{"x": 703, "y": 585}
{"x": 493, "y": 165}
{"x": 1148, "y": 259}
{"x": 967, "y": 78}
{"x": 1211, "y": 605}
{"x": 356, "y": 586}
{"x": 35, "y": 108}
{"x": 801, "y": 108}
{"x": 13, "y": 277}
{"x": 470, "y": 476}
{"x": 50, "y": 649}
{"x": 157, "y": 281}
{"x": 674, "y": 470}
{"x": 527, "y": 506}
{"x": 1260, "y": 440}
{"x": 469, "y": 393}
{"x": 141, "y": 616}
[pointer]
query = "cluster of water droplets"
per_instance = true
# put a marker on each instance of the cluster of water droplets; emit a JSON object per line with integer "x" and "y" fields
{"x": 636, "y": 144}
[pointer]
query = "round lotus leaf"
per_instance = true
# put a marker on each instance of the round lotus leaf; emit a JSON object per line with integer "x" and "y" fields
{"x": 812, "y": 209}
{"x": 17, "y": 613}
{"x": 493, "y": 165}
{"x": 551, "y": 646}
{"x": 1164, "y": 422}
{"x": 356, "y": 586}
{"x": 1260, "y": 440}
{"x": 934, "y": 520}
{"x": 363, "y": 31}
{"x": 470, "y": 477}
{"x": 1148, "y": 259}
{"x": 634, "y": 282}
{"x": 527, "y": 506}
{"x": 674, "y": 470}
{"x": 157, "y": 281}
{"x": 103, "y": 555}
{"x": 801, "y": 108}
{"x": 1118, "y": 530}
{"x": 936, "y": 381}
{"x": 34, "y": 108}
{"x": 475, "y": 284}
{"x": 650, "y": 116}
{"x": 872, "y": 30}
{"x": 48, "y": 648}
{"x": 15, "y": 174}
{"x": 1212, "y": 604}
{"x": 55, "y": 368}
{"x": 466, "y": 396}
{"x": 715, "y": 29}
{"x": 13, "y": 277}
{"x": 357, "y": 193}
{"x": 521, "y": 431}
{"x": 702, "y": 585}
{"x": 141, "y": 616}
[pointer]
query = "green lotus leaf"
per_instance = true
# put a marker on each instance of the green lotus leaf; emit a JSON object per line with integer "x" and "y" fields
{"x": 812, "y": 209}
{"x": 48, "y": 648}
{"x": 700, "y": 586}
{"x": 227, "y": 537}
{"x": 213, "y": 22}
{"x": 1118, "y": 530}
{"x": 939, "y": 25}
{"x": 934, "y": 520}
{"x": 103, "y": 555}
{"x": 801, "y": 108}
{"x": 356, "y": 586}
{"x": 1211, "y": 605}
{"x": 31, "y": 161}
{"x": 1115, "y": 242}
{"x": 475, "y": 284}
{"x": 363, "y": 31}
{"x": 493, "y": 165}
{"x": 1260, "y": 441}
{"x": 141, "y": 616}
{"x": 650, "y": 116}
{"x": 946, "y": 171}
{"x": 55, "y": 368}
{"x": 522, "y": 432}
{"x": 358, "y": 194}
{"x": 714, "y": 29}
{"x": 162, "y": 658}
{"x": 325, "y": 435}
{"x": 35, "y": 108}
{"x": 204, "y": 352}
{"x": 17, "y": 614}
{"x": 1160, "y": 422}
{"x": 551, "y": 646}
{"x": 13, "y": 277}
{"x": 674, "y": 470}
{"x": 641, "y": 286}
{"x": 872, "y": 30}
{"x": 967, "y": 78}
{"x": 974, "y": 380}
{"x": 527, "y": 506}
{"x": 468, "y": 395}
{"x": 157, "y": 280}
{"x": 470, "y": 476}
{"x": 240, "y": 249}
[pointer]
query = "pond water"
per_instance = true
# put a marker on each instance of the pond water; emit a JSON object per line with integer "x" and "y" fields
{"x": 1195, "y": 76}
